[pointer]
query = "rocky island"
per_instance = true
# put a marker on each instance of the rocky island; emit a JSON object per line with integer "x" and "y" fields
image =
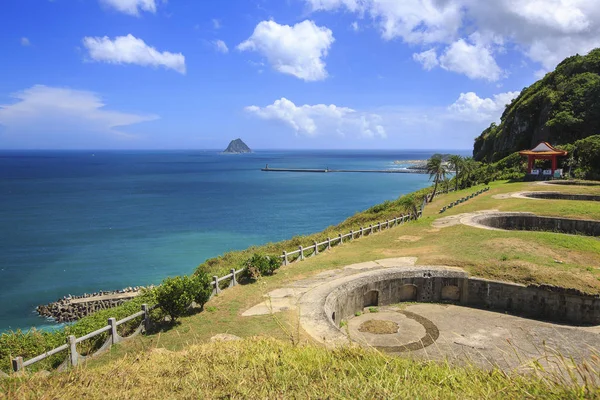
{"x": 237, "y": 146}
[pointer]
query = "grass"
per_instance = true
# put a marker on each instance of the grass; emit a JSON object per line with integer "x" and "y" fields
{"x": 524, "y": 257}
{"x": 268, "y": 368}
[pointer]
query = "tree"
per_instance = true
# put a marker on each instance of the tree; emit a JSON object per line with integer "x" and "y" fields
{"x": 455, "y": 162}
{"x": 469, "y": 168}
{"x": 409, "y": 204}
{"x": 436, "y": 170}
{"x": 201, "y": 288}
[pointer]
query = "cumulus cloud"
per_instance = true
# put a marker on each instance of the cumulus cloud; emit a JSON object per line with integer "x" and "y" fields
{"x": 131, "y": 50}
{"x": 25, "y": 42}
{"x": 51, "y": 114}
{"x": 471, "y": 107}
{"x": 318, "y": 119}
{"x": 221, "y": 46}
{"x": 473, "y": 60}
{"x": 428, "y": 59}
{"x": 296, "y": 50}
{"x": 216, "y": 23}
{"x": 545, "y": 31}
{"x": 131, "y": 7}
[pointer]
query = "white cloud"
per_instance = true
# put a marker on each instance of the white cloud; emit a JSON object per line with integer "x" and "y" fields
{"x": 51, "y": 114}
{"x": 328, "y": 5}
{"x": 473, "y": 60}
{"x": 25, "y": 42}
{"x": 296, "y": 50}
{"x": 131, "y": 7}
{"x": 221, "y": 46}
{"x": 216, "y": 23}
{"x": 428, "y": 58}
{"x": 470, "y": 107}
{"x": 320, "y": 119}
{"x": 355, "y": 26}
{"x": 545, "y": 31}
{"x": 131, "y": 50}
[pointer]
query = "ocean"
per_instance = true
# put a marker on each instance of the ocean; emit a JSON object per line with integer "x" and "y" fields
{"x": 83, "y": 221}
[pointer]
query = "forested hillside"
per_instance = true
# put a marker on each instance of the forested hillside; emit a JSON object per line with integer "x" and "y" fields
{"x": 561, "y": 108}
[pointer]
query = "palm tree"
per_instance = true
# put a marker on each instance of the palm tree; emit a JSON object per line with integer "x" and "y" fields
{"x": 456, "y": 162}
{"x": 469, "y": 166}
{"x": 436, "y": 170}
{"x": 409, "y": 204}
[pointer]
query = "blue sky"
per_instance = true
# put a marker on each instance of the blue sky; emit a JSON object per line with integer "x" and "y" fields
{"x": 371, "y": 74}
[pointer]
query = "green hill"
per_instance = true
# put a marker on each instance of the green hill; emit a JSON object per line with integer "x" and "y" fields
{"x": 561, "y": 108}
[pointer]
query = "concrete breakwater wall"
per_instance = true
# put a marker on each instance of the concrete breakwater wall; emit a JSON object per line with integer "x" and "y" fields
{"x": 71, "y": 308}
{"x": 438, "y": 284}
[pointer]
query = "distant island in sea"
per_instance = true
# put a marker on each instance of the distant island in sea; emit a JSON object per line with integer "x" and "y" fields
{"x": 237, "y": 146}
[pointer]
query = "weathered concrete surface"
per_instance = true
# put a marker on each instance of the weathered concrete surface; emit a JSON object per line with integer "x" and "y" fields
{"x": 457, "y": 219}
{"x": 486, "y": 338}
{"x": 287, "y": 298}
{"x": 327, "y": 304}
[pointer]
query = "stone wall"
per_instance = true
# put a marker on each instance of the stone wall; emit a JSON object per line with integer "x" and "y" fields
{"x": 454, "y": 286}
{"x": 562, "y": 196}
{"x": 531, "y": 222}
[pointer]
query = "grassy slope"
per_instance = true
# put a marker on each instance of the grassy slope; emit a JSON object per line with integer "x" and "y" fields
{"x": 265, "y": 368}
{"x": 525, "y": 257}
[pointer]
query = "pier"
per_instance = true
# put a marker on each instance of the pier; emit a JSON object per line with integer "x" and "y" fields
{"x": 327, "y": 170}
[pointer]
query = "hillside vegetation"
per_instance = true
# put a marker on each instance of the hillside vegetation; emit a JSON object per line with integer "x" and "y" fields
{"x": 561, "y": 108}
{"x": 262, "y": 368}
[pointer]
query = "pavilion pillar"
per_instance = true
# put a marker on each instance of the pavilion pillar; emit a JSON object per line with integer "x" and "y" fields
{"x": 553, "y": 164}
{"x": 530, "y": 161}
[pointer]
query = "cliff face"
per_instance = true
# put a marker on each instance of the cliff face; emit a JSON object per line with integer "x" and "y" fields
{"x": 237, "y": 146}
{"x": 561, "y": 108}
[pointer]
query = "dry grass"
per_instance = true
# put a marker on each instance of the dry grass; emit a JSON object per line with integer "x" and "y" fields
{"x": 261, "y": 368}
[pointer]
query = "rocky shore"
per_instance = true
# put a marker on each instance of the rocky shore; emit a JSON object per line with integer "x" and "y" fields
{"x": 71, "y": 308}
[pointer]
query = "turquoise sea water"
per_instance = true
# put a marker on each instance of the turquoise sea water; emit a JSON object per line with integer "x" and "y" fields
{"x": 75, "y": 222}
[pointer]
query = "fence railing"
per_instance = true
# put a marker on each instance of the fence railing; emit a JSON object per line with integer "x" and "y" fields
{"x": 462, "y": 200}
{"x": 75, "y": 358}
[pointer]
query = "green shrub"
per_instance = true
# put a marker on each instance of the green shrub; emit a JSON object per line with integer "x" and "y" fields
{"x": 201, "y": 288}
{"x": 261, "y": 265}
{"x": 175, "y": 295}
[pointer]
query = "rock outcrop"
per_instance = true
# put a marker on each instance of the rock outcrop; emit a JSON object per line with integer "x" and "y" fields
{"x": 237, "y": 146}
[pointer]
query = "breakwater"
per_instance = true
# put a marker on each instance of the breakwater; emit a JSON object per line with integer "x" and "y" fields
{"x": 327, "y": 170}
{"x": 71, "y": 308}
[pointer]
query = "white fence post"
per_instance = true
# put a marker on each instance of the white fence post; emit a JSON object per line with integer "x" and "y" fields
{"x": 146, "y": 320}
{"x": 316, "y": 248}
{"x": 73, "y": 355}
{"x": 216, "y": 281}
{"x": 113, "y": 331}
{"x": 351, "y": 234}
{"x": 301, "y": 253}
{"x": 341, "y": 238}
{"x": 328, "y": 243}
{"x": 285, "y": 259}
{"x": 361, "y": 231}
{"x": 233, "y": 279}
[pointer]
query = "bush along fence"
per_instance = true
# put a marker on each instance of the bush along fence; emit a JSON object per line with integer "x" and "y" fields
{"x": 217, "y": 284}
{"x": 462, "y": 200}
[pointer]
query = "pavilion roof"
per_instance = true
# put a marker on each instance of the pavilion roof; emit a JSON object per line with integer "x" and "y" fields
{"x": 543, "y": 149}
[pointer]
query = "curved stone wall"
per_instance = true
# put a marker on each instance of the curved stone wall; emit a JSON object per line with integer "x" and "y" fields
{"x": 452, "y": 285}
{"x": 560, "y": 196}
{"x": 532, "y": 222}
{"x": 574, "y": 183}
